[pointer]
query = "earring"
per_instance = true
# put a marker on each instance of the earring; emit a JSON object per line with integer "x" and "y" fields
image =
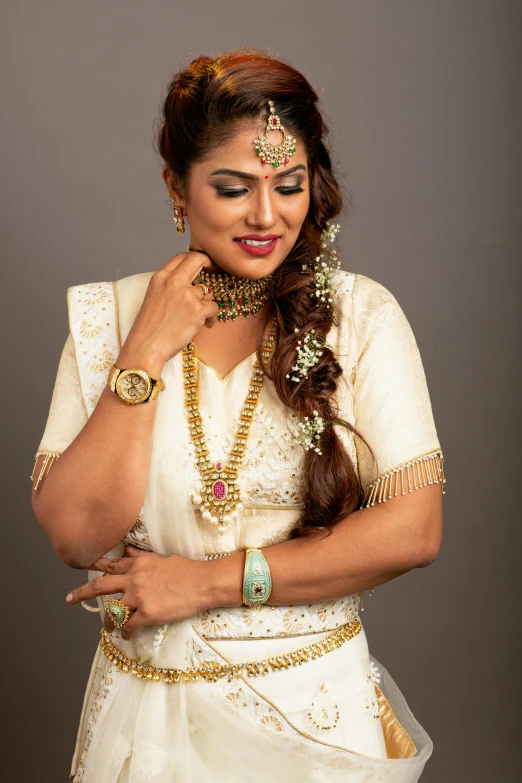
{"x": 178, "y": 219}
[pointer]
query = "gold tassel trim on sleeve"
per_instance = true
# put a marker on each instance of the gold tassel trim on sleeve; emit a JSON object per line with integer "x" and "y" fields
{"x": 413, "y": 474}
{"x": 50, "y": 459}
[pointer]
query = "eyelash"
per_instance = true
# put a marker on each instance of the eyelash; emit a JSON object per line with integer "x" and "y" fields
{"x": 234, "y": 193}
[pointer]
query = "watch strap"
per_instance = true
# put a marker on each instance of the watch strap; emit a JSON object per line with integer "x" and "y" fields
{"x": 157, "y": 387}
{"x": 113, "y": 377}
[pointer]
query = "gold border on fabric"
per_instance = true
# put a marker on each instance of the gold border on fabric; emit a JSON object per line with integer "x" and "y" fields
{"x": 396, "y": 738}
{"x": 117, "y": 314}
{"x": 399, "y": 744}
{"x": 274, "y": 507}
{"x": 278, "y": 636}
{"x": 70, "y": 322}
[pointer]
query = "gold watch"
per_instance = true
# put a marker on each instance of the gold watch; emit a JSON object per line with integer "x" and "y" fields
{"x": 134, "y": 386}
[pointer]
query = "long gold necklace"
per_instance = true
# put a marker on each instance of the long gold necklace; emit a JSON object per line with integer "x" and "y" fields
{"x": 219, "y": 497}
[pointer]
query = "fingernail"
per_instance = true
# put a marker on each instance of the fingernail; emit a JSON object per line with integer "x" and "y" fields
{"x": 69, "y": 597}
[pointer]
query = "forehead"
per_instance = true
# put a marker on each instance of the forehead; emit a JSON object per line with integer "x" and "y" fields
{"x": 238, "y": 151}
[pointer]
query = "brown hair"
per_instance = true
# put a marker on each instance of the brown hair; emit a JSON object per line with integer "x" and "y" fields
{"x": 201, "y": 104}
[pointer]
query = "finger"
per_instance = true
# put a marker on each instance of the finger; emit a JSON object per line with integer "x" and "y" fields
{"x": 133, "y": 551}
{"x": 191, "y": 266}
{"x": 173, "y": 263}
{"x": 111, "y": 565}
{"x": 133, "y": 624}
{"x": 211, "y": 315}
{"x": 107, "y": 623}
{"x": 101, "y": 585}
{"x": 206, "y": 291}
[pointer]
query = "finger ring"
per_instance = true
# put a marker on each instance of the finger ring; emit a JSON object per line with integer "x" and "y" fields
{"x": 118, "y": 612}
{"x": 204, "y": 287}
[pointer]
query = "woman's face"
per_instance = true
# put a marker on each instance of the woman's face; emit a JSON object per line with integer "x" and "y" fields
{"x": 231, "y": 195}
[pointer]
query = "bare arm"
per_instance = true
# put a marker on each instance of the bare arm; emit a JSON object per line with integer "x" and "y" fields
{"x": 367, "y": 548}
{"x": 93, "y": 495}
{"x": 95, "y": 491}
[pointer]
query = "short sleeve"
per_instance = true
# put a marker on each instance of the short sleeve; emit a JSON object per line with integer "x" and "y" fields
{"x": 392, "y": 407}
{"x": 67, "y": 414}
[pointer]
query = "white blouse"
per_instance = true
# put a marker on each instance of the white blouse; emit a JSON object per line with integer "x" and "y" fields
{"x": 383, "y": 393}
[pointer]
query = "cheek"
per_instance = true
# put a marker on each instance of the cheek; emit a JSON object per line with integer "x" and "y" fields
{"x": 297, "y": 212}
{"x": 214, "y": 214}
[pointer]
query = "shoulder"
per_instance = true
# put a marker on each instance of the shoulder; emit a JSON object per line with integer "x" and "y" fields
{"x": 93, "y": 305}
{"x": 366, "y": 308}
{"x": 361, "y": 296}
{"x": 371, "y": 294}
{"x": 131, "y": 286}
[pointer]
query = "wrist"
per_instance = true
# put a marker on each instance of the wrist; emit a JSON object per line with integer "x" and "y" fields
{"x": 141, "y": 360}
{"x": 224, "y": 580}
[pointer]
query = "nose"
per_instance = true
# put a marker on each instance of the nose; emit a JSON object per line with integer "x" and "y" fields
{"x": 263, "y": 213}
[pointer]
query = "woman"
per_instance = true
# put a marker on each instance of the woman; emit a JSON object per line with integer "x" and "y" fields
{"x": 234, "y": 489}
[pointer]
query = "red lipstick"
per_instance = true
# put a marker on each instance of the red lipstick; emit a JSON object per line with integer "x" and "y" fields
{"x": 258, "y": 250}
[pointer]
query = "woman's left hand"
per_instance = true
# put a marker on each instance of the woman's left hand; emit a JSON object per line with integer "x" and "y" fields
{"x": 158, "y": 589}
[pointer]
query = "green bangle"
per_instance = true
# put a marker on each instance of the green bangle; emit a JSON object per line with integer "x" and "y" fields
{"x": 257, "y": 582}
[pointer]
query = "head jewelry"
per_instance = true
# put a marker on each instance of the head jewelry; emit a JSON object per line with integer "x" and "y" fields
{"x": 276, "y": 154}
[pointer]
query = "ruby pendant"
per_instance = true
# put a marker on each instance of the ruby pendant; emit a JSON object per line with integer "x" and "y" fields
{"x": 219, "y": 489}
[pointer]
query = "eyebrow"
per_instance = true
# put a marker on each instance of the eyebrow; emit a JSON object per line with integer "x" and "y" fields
{"x": 254, "y": 177}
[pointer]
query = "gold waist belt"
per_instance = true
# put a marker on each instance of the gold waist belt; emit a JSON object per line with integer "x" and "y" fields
{"x": 212, "y": 671}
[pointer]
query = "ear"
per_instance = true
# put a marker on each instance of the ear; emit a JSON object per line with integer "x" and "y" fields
{"x": 173, "y": 189}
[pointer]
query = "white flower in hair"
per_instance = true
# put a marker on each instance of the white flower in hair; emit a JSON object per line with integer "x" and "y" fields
{"x": 325, "y": 264}
{"x": 308, "y": 353}
{"x": 309, "y": 431}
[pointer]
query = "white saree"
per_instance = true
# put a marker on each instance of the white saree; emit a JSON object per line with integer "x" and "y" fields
{"x": 249, "y": 730}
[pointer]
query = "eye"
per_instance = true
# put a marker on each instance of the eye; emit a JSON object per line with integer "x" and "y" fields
{"x": 288, "y": 190}
{"x": 230, "y": 193}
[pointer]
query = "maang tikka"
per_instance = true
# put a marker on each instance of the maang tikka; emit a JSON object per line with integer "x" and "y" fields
{"x": 276, "y": 154}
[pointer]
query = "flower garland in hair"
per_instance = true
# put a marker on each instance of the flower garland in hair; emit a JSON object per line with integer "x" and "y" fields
{"x": 325, "y": 264}
{"x": 309, "y": 431}
{"x": 308, "y": 353}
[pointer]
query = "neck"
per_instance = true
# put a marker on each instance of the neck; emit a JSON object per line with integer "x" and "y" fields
{"x": 235, "y": 296}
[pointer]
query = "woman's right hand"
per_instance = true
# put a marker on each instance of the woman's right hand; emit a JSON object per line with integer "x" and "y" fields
{"x": 172, "y": 312}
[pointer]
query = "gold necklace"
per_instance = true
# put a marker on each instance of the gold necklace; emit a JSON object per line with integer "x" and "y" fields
{"x": 236, "y": 295}
{"x": 219, "y": 497}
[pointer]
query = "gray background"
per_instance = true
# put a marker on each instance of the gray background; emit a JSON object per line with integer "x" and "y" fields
{"x": 424, "y": 101}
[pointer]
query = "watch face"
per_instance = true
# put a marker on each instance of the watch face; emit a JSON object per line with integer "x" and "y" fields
{"x": 133, "y": 386}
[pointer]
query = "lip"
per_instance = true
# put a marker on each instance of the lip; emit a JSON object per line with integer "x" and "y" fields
{"x": 260, "y": 237}
{"x": 257, "y": 250}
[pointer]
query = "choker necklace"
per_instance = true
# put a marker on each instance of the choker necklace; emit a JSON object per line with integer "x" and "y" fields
{"x": 219, "y": 498}
{"x": 236, "y": 295}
